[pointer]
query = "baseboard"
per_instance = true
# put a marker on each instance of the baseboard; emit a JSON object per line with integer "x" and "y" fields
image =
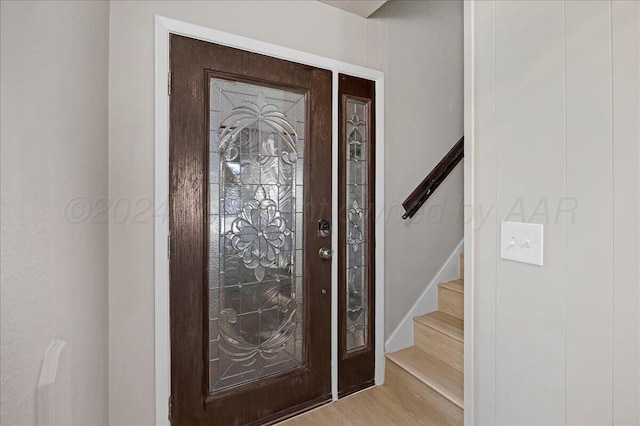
{"x": 402, "y": 336}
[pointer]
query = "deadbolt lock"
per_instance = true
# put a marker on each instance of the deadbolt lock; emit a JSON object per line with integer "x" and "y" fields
{"x": 324, "y": 228}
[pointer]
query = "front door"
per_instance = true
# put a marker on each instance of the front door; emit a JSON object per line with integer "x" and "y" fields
{"x": 250, "y": 179}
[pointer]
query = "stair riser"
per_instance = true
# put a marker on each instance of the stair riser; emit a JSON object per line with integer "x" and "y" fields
{"x": 451, "y": 302}
{"x": 402, "y": 382}
{"x": 439, "y": 345}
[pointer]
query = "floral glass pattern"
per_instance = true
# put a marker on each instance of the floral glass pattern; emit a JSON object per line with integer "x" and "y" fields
{"x": 259, "y": 232}
{"x": 356, "y": 241}
{"x": 256, "y": 168}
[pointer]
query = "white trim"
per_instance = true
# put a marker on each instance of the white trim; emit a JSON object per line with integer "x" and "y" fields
{"x": 402, "y": 336}
{"x": 165, "y": 26}
{"x": 334, "y": 238}
{"x": 161, "y": 225}
{"x": 470, "y": 219}
{"x": 380, "y": 223}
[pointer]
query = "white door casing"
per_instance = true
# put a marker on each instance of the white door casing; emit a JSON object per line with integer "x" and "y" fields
{"x": 163, "y": 28}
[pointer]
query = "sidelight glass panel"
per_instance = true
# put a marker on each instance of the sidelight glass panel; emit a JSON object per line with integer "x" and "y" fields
{"x": 356, "y": 202}
{"x": 256, "y": 168}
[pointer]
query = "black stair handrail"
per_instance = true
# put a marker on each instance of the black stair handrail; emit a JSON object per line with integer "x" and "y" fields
{"x": 433, "y": 180}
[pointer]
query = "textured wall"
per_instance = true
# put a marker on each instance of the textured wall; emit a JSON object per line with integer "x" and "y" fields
{"x": 556, "y": 128}
{"x": 54, "y": 149}
{"x": 423, "y": 50}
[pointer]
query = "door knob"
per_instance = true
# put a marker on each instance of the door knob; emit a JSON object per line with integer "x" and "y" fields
{"x": 324, "y": 253}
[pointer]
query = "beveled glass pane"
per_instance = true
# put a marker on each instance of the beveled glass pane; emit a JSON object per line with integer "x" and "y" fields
{"x": 356, "y": 220}
{"x": 255, "y": 256}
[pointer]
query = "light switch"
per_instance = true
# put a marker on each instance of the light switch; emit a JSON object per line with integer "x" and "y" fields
{"x": 522, "y": 242}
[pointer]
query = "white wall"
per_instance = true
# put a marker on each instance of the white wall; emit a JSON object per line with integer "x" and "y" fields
{"x": 555, "y": 115}
{"x": 304, "y": 25}
{"x": 423, "y": 56}
{"x": 54, "y": 149}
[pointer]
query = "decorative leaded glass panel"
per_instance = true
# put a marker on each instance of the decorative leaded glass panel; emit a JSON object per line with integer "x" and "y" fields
{"x": 256, "y": 169}
{"x": 356, "y": 244}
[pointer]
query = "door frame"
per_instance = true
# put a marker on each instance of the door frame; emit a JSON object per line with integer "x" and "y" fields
{"x": 163, "y": 28}
{"x": 470, "y": 219}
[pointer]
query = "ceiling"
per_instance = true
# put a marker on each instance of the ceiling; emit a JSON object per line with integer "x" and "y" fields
{"x": 362, "y": 8}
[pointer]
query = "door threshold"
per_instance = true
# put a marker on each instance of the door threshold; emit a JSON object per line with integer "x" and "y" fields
{"x": 357, "y": 388}
{"x": 295, "y": 411}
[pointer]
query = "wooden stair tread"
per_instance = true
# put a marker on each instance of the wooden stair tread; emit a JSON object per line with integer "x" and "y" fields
{"x": 432, "y": 372}
{"x": 455, "y": 285}
{"x": 444, "y": 323}
{"x": 431, "y": 406}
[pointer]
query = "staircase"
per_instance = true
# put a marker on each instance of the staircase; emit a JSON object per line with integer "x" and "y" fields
{"x": 432, "y": 369}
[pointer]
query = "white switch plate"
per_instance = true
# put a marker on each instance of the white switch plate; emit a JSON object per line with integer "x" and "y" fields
{"x": 522, "y": 242}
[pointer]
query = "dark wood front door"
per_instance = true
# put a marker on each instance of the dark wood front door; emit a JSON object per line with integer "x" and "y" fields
{"x": 250, "y": 297}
